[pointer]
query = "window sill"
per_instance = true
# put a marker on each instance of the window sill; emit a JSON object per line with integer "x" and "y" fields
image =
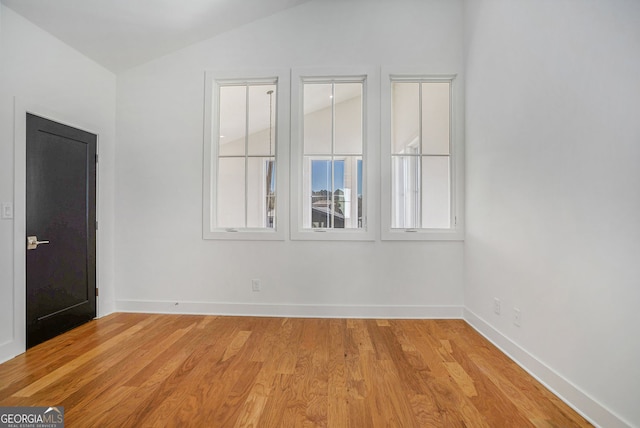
{"x": 332, "y": 235}
{"x": 423, "y": 235}
{"x": 232, "y": 234}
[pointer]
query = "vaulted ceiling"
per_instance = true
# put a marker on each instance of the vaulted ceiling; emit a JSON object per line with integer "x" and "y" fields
{"x": 120, "y": 34}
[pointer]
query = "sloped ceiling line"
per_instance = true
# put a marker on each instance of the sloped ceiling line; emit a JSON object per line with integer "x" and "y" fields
{"x": 120, "y": 34}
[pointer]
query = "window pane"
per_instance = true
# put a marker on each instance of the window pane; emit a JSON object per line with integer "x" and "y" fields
{"x": 405, "y": 112}
{"x": 341, "y": 196}
{"x": 347, "y": 195}
{"x": 436, "y": 192}
{"x": 435, "y": 118}
{"x": 230, "y": 206}
{"x": 317, "y": 118}
{"x": 335, "y": 199}
{"x": 321, "y": 205}
{"x": 262, "y": 108}
{"x": 233, "y": 119}
{"x": 260, "y": 192}
{"x": 270, "y": 186}
{"x": 405, "y": 192}
{"x": 348, "y": 118}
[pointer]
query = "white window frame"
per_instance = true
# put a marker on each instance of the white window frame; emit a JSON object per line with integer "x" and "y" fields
{"x": 213, "y": 80}
{"x": 370, "y": 77}
{"x": 456, "y": 231}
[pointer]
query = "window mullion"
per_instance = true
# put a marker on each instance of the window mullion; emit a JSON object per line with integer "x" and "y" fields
{"x": 452, "y": 212}
{"x": 419, "y": 164}
{"x": 333, "y": 141}
{"x": 246, "y": 157}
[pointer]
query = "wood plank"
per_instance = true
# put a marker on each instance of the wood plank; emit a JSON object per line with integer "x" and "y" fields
{"x": 462, "y": 378}
{"x": 87, "y": 373}
{"x": 193, "y": 370}
{"x": 497, "y": 409}
{"x": 338, "y": 399}
{"x": 527, "y": 407}
{"x": 195, "y": 389}
{"x": 226, "y": 385}
{"x": 67, "y": 369}
{"x": 472, "y": 343}
{"x": 172, "y": 367}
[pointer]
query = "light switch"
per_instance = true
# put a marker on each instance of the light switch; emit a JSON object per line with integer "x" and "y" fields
{"x": 6, "y": 210}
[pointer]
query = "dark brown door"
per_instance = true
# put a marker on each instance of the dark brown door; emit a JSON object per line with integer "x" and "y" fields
{"x": 61, "y": 228}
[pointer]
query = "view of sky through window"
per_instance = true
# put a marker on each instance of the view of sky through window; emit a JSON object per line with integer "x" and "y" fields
{"x": 321, "y": 175}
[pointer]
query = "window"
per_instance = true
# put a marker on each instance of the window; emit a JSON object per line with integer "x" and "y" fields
{"x": 331, "y": 157}
{"x": 422, "y": 189}
{"x": 245, "y": 171}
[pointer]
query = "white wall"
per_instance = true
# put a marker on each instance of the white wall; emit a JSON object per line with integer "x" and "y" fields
{"x": 42, "y": 71}
{"x": 160, "y": 255}
{"x": 553, "y": 204}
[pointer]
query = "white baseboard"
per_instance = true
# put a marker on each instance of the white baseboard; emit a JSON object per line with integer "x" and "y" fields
{"x": 290, "y": 310}
{"x": 9, "y": 350}
{"x": 580, "y": 401}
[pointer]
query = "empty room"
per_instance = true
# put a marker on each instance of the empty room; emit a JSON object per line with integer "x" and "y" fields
{"x": 365, "y": 213}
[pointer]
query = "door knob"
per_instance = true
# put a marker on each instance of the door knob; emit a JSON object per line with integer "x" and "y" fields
{"x": 32, "y": 242}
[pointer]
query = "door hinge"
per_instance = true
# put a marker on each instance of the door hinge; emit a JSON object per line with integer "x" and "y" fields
{"x": 97, "y": 291}
{"x": 96, "y": 158}
{"x": 96, "y": 224}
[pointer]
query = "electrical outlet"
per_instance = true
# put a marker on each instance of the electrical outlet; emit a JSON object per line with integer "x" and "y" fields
{"x": 517, "y": 317}
{"x": 6, "y": 210}
{"x": 255, "y": 284}
{"x": 496, "y": 306}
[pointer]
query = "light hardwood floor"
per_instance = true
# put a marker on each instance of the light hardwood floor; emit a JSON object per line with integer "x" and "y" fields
{"x": 137, "y": 370}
